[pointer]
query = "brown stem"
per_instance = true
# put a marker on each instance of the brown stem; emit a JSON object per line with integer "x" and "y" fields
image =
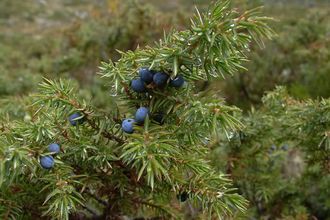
{"x": 96, "y": 198}
{"x": 104, "y": 133}
{"x": 90, "y": 210}
{"x": 128, "y": 93}
{"x": 139, "y": 201}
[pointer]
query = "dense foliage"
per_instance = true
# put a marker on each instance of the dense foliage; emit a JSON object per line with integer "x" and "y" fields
{"x": 141, "y": 173}
{"x": 66, "y": 153}
{"x": 289, "y": 142}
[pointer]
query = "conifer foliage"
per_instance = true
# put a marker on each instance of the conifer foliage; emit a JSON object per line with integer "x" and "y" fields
{"x": 280, "y": 161}
{"x": 150, "y": 152}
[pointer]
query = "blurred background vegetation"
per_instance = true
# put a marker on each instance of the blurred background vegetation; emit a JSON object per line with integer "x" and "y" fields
{"x": 69, "y": 39}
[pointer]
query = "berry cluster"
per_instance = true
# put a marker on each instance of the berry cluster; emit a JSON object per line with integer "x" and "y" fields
{"x": 274, "y": 148}
{"x": 158, "y": 79}
{"x": 149, "y": 79}
{"x": 182, "y": 197}
{"x": 47, "y": 162}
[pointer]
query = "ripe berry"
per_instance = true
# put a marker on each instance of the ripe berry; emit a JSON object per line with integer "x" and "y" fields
{"x": 160, "y": 79}
{"x": 138, "y": 85}
{"x": 127, "y": 125}
{"x": 273, "y": 147}
{"x": 146, "y": 75}
{"x": 158, "y": 117}
{"x": 76, "y": 119}
{"x": 182, "y": 197}
{"x": 285, "y": 147}
{"x": 54, "y": 148}
{"x": 47, "y": 162}
{"x": 242, "y": 135}
{"x": 177, "y": 82}
{"x": 141, "y": 115}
